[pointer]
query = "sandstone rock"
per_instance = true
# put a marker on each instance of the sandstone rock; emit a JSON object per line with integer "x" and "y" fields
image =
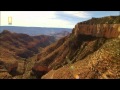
{"x": 40, "y": 70}
{"x": 5, "y": 75}
{"x": 98, "y": 65}
{"x": 11, "y": 66}
{"x": 86, "y": 38}
{"x": 98, "y": 30}
{"x": 21, "y": 67}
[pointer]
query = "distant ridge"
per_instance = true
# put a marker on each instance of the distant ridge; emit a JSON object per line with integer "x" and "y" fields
{"x": 34, "y": 30}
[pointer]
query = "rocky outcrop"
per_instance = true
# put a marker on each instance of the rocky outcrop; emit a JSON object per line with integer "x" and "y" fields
{"x": 85, "y": 39}
{"x": 5, "y": 75}
{"x": 39, "y": 71}
{"x": 11, "y": 67}
{"x": 98, "y": 30}
{"x": 69, "y": 52}
{"x": 108, "y": 27}
{"x": 8, "y": 66}
{"x": 102, "y": 64}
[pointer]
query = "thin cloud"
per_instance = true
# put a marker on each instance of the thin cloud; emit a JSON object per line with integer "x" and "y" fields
{"x": 79, "y": 14}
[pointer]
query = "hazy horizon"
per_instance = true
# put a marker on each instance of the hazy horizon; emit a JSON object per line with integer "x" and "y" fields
{"x": 34, "y": 26}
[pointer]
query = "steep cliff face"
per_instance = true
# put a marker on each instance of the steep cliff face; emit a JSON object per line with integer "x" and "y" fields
{"x": 98, "y": 30}
{"x": 85, "y": 39}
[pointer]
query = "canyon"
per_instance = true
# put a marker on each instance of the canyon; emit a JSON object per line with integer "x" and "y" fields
{"x": 90, "y": 51}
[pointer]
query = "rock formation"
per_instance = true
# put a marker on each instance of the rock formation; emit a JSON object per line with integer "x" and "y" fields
{"x": 16, "y": 48}
{"x": 85, "y": 42}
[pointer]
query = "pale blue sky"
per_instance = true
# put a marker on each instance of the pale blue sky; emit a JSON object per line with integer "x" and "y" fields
{"x": 64, "y": 19}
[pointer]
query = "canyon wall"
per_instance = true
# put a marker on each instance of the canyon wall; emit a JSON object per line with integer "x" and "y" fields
{"x": 98, "y": 30}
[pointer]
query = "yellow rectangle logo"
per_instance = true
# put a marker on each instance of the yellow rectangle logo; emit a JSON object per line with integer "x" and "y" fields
{"x": 10, "y": 20}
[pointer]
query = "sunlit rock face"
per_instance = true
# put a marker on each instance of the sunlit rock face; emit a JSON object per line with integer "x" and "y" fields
{"x": 93, "y": 41}
{"x": 98, "y": 30}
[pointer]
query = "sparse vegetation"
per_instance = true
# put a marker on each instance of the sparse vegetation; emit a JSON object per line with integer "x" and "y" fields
{"x": 103, "y": 20}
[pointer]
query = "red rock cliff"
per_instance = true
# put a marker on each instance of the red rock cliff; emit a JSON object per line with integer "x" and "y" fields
{"x": 98, "y": 30}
